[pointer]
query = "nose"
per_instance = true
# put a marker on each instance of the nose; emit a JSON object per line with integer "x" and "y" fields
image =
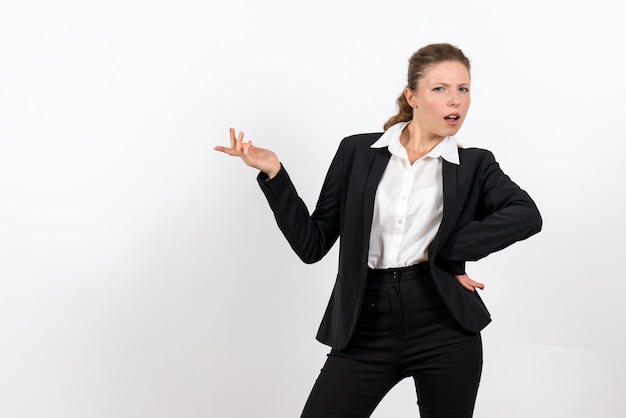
{"x": 454, "y": 99}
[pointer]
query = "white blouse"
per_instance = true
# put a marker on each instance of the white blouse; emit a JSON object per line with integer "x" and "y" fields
{"x": 409, "y": 202}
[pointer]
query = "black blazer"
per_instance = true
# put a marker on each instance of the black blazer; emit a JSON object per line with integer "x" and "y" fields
{"x": 483, "y": 212}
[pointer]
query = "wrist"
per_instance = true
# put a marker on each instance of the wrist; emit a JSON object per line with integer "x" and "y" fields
{"x": 272, "y": 172}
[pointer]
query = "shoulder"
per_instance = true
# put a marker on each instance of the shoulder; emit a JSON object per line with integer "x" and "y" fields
{"x": 360, "y": 140}
{"x": 475, "y": 156}
{"x": 358, "y": 148}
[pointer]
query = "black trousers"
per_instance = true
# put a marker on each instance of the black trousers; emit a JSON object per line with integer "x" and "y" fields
{"x": 404, "y": 330}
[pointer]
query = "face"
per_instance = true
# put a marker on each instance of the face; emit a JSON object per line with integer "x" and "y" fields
{"x": 441, "y": 100}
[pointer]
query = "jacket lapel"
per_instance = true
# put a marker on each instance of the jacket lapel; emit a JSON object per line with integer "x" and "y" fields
{"x": 381, "y": 159}
{"x": 449, "y": 173}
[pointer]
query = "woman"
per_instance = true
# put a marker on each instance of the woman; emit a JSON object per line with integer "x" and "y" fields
{"x": 410, "y": 208}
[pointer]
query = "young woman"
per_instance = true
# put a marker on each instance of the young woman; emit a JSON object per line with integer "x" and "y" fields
{"x": 410, "y": 208}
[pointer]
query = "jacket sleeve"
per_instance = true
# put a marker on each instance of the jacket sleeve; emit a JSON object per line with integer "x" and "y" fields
{"x": 311, "y": 236}
{"x": 506, "y": 214}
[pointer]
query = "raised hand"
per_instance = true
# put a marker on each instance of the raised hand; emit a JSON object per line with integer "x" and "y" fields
{"x": 260, "y": 158}
{"x": 468, "y": 283}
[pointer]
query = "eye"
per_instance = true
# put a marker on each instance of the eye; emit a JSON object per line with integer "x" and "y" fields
{"x": 438, "y": 88}
{"x": 464, "y": 89}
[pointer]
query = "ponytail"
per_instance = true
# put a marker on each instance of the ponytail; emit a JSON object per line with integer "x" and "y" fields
{"x": 405, "y": 112}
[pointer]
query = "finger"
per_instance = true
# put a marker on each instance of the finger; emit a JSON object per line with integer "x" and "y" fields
{"x": 239, "y": 142}
{"x": 245, "y": 151}
{"x": 225, "y": 150}
{"x": 468, "y": 286}
{"x": 232, "y": 138}
{"x": 467, "y": 281}
{"x": 476, "y": 284}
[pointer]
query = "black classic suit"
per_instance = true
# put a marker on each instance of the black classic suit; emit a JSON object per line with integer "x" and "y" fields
{"x": 483, "y": 212}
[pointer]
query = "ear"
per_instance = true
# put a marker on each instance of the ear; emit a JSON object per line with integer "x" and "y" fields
{"x": 410, "y": 95}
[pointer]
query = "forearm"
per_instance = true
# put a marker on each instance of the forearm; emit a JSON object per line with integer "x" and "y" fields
{"x": 503, "y": 215}
{"x": 478, "y": 239}
{"x": 310, "y": 236}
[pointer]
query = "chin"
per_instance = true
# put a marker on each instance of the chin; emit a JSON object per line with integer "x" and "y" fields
{"x": 452, "y": 131}
{"x": 448, "y": 132}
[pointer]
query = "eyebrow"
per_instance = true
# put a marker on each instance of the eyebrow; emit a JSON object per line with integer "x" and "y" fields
{"x": 447, "y": 85}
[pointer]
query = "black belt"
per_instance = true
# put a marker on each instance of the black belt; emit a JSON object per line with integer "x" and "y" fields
{"x": 398, "y": 274}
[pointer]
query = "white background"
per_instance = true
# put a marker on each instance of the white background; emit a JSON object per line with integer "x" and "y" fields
{"x": 141, "y": 272}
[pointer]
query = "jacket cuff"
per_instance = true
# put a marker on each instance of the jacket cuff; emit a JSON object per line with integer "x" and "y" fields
{"x": 278, "y": 182}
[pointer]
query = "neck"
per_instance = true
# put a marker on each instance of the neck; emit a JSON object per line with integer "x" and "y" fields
{"x": 417, "y": 142}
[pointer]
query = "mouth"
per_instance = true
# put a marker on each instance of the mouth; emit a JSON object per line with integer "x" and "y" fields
{"x": 452, "y": 119}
